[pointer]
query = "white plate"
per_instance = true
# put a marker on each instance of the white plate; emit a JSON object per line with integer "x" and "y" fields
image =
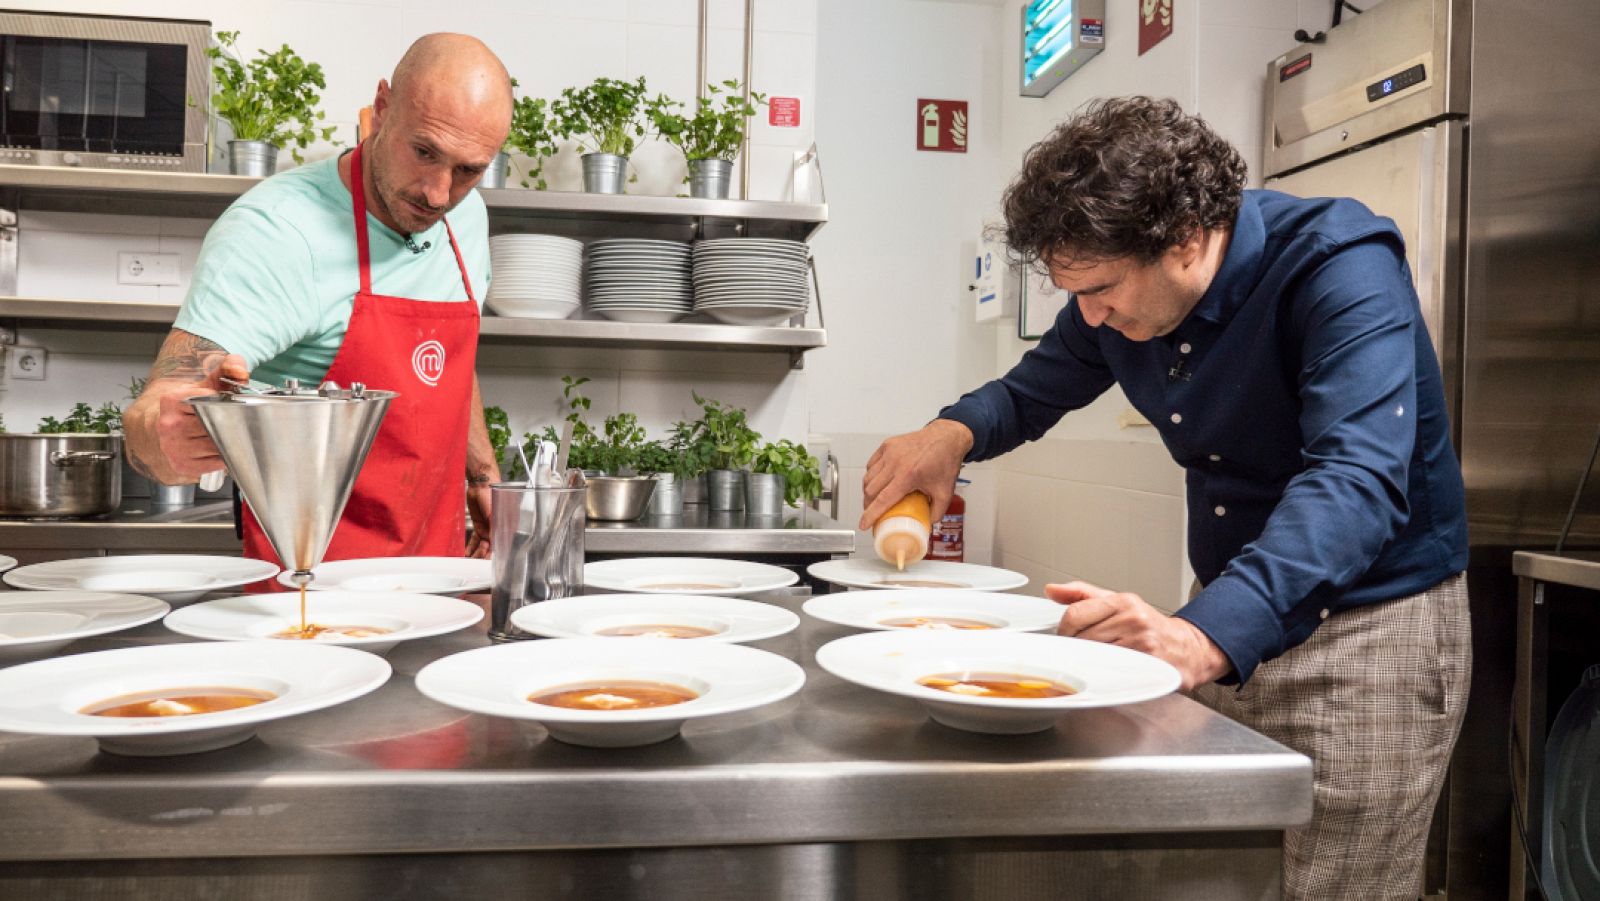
{"x": 415, "y": 575}
{"x": 741, "y": 316}
{"x": 255, "y": 617}
{"x": 730, "y": 619}
{"x": 174, "y": 578}
{"x": 1104, "y": 675}
{"x": 1000, "y": 612}
{"x": 34, "y": 623}
{"x": 864, "y": 572}
{"x": 673, "y": 575}
{"x": 497, "y": 681}
{"x": 624, "y": 315}
{"x": 44, "y": 698}
{"x": 7, "y": 563}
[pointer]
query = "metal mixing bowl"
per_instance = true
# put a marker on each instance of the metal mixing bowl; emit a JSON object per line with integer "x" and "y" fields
{"x": 619, "y": 498}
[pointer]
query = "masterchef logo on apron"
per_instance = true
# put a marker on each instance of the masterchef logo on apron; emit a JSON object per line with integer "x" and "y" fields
{"x": 428, "y": 362}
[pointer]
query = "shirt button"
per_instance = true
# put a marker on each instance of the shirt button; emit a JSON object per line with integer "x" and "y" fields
{"x": 1324, "y": 614}
{"x": 1184, "y": 348}
{"x": 1177, "y": 418}
{"x": 1215, "y": 458}
{"x": 1220, "y": 510}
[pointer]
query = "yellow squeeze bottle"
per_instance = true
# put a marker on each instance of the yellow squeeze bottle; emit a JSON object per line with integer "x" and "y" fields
{"x": 900, "y": 535}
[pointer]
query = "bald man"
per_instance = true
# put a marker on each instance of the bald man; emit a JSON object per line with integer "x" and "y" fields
{"x": 366, "y": 268}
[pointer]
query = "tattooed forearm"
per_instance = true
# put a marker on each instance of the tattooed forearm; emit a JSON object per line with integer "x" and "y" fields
{"x": 187, "y": 357}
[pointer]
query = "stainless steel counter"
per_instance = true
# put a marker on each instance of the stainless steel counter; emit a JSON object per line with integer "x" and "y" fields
{"x": 802, "y": 793}
{"x": 208, "y": 528}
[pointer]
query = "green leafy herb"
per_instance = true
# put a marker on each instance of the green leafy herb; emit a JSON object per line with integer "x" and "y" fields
{"x": 717, "y": 129}
{"x": 84, "y": 419}
{"x": 608, "y": 116}
{"x": 725, "y": 435}
{"x": 499, "y": 425}
{"x": 801, "y": 472}
{"x": 271, "y": 98}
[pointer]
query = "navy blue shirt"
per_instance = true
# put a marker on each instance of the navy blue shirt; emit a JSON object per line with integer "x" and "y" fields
{"x": 1308, "y": 415}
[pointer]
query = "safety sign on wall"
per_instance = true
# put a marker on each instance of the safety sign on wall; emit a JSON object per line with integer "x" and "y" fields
{"x": 942, "y": 125}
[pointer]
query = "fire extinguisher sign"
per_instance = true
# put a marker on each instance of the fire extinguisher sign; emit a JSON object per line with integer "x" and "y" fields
{"x": 942, "y": 125}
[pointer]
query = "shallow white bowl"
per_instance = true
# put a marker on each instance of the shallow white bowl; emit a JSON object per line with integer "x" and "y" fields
{"x": 44, "y": 698}
{"x": 497, "y": 681}
{"x": 1105, "y": 675}
{"x": 673, "y": 575}
{"x": 870, "y": 572}
{"x": 1000, "y": 612}
{"x": 7, "y": 563}
{"x": 256, "y": 617}
{"x": 174, "y": 578}
{"x": 37, "y": 623}
{"x": 413, "y": 575}
{"x": 585, "y": 617}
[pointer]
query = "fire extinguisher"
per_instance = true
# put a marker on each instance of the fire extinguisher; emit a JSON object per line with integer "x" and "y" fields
{"x": 948, "y": 541}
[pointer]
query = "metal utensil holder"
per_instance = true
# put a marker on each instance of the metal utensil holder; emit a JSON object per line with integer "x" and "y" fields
{"x": 536, "y": 536}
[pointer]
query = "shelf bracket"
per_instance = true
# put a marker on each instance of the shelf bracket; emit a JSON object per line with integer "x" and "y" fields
{"x": 8, "y": 249}
{"x": 8, "y": 332}
{"x": 797, "y": 359}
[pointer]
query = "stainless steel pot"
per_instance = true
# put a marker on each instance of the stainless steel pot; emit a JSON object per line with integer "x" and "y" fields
{"x": 60, "y": 475}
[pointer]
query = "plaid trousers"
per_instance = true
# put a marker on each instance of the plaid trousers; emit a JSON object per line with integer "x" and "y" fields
{"x": 1375, "y": 698}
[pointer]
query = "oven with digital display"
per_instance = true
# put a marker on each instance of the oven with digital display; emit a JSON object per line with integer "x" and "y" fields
{"x": 105, "y": 92}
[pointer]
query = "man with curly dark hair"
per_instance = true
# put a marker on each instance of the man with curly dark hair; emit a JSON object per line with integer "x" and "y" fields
{"x": 1277, "y": 345}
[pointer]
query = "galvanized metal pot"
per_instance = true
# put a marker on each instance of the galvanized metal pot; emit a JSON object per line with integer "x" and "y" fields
{"x": 60, "y": 475}
{"x": 254, "y": 158}
{"x": 694, "y": 489}
{"x": 495, "y": 175}
{"x": 668, "y": 497}
{"x": 710, "y": 178}
{"x": 763, "y": 494}
{"x": 725, "y": 489}
{"x": 604, "y": 173}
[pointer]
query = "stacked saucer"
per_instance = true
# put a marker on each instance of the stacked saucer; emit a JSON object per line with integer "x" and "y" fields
{"x": 535, "y": 276}
{"x": 639, "y": 280}
{"x": 751, "y": 281}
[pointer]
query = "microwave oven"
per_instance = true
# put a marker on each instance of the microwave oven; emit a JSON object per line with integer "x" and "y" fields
{"x": 105, "y": 92}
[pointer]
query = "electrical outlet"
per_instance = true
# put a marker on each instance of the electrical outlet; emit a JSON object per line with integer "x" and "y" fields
{"x": 136, "y": 268}
{"x": 26, "y": 363}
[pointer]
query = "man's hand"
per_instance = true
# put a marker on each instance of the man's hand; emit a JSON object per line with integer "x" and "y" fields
{"x": 164, "y": 436}
{"x": 927, "y": 460}
{"x": 479, "y": 507}
{"x": 1125, "y": 619}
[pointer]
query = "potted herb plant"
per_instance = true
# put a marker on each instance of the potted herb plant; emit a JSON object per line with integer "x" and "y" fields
{"x": 531, "y": 135}
{"x": 607, "y": 118}
{"x": 729, "y": 443}
{"x": 270, "y": 102}
{"x": 781, "y": 473}
{"x": 712, "y": 137}
{"x": 655, "y": 458}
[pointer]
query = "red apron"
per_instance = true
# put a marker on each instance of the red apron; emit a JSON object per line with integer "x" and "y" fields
{"x": 410, "y": 497}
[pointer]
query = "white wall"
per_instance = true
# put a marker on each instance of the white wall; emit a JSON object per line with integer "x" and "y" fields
{"x": 896, "y": 253}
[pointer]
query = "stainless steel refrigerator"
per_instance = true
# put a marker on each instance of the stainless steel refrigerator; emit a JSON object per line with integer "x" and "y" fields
{"x": 1475, "y": 125}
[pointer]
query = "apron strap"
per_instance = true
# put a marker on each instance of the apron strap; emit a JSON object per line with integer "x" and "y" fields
{"x": 461, "y": 263}
{"x": 358, "y": 194}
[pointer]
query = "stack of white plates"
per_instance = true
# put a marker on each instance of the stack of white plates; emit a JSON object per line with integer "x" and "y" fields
{"x": 535, "y": 276}
{"x": 640, "y": 280}
{"x": 751, "y": 281}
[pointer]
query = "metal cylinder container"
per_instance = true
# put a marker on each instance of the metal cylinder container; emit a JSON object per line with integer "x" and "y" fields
{"x": 495, "y": 175}
{"x": 60, "y": 475}
{"x": 604, "y": 173}
{"x": 253, "y": 158}
{"x": 725, "y": 489}
{"x": 710, "y": 178}
{"x": 763, "y": 493}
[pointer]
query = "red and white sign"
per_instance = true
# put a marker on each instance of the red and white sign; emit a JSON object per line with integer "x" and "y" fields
{"x": 1155, "y": 23}
{"x": 427, "y": 361}
{"x": 942, "y": 125}
{"x": 783, "y": 112}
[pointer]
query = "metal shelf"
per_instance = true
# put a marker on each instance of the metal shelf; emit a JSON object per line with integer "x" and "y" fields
{"x": 510, "y": 209}
{"x": 140, "y": 316}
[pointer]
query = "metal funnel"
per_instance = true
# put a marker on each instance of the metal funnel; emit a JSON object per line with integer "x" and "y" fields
{"x": 294, "y": 455}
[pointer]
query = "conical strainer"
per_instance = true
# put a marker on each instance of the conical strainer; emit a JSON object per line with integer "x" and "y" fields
{"x": 294, "y": 454}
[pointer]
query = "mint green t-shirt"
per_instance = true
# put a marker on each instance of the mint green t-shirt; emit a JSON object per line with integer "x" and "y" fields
{"x": 277, "y": 276}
